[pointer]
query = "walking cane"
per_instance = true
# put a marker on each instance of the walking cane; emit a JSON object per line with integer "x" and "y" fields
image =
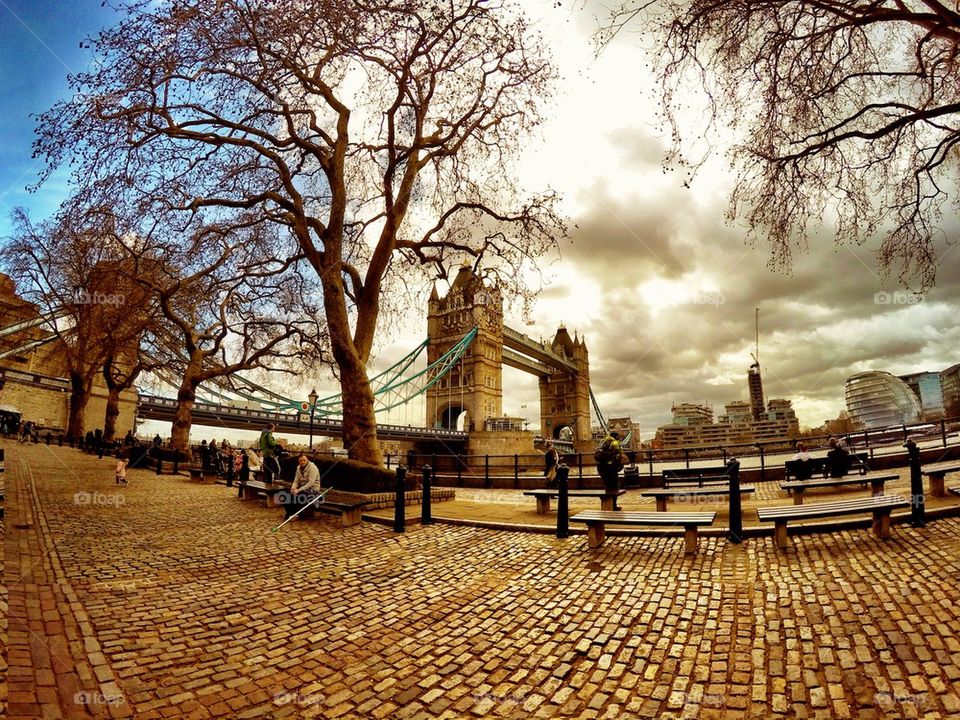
{"x": 321, "y": 496}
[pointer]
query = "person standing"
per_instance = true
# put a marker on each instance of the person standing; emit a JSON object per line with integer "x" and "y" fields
{"x": 270, "y": 450}
{"x": 551, "y": 459}
{"x": 121, "y": 471}
{"x": 609, "y": 457}
{"x": 305, "y": 488}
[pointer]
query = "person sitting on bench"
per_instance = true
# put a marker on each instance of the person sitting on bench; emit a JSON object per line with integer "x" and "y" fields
{"x": 305, "y": 488}
{"x": 838, "y": 459}
{"x": 804, "y": 470}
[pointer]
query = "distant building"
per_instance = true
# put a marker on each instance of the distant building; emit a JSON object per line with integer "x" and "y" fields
{"x": 693, "y": 425}
{"x": 877, "y": 399}
{"x": 950, "y": 390}
{"x": 927, "y": 387}
{"x": 755, "y": 384}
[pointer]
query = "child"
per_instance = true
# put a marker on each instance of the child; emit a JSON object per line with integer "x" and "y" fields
{"x": 122, "y": 471}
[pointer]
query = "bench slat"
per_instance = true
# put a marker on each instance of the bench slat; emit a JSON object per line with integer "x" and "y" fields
{"x": 694, "y": 490}
{"x": 571, "y": 493}
{"x": 840, "y": 507}
{"x": 614, "y": 517}
{"x": 943, "y": 470}
{"x": 831, "y": 482}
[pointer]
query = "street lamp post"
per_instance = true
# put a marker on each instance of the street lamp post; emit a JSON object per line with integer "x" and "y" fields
{"x": 312, "y": 397}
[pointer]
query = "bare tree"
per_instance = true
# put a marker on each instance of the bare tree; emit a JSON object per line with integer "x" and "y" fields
{"x": 843, "y": 108}
{"x": 228, "y": 299}
{"x": 378, "y": 134}
{"x": 75, "y": 275}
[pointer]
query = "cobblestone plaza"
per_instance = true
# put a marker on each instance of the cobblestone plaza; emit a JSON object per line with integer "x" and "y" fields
{"x": 173, "y": 599}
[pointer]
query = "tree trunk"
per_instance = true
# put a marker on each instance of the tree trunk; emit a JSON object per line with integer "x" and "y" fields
{"x": 79, "y": 397}
{"x": 113, "y": 412}
{"x": 359, "y": 422}
{"x": 183, "y": 418}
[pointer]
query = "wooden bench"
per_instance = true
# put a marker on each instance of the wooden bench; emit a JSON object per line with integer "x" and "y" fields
{"x": 716, "y": 475}
{"x": 797, "y": 487}
{"x": 198, "y": 475}
{"x": 607, "y": 501}
{"x": 693, "y": 492}
{"x": 597, "y": 520}
{"x": 819, "y": 466}
{"x": 253, "y": 489}
{"x": 936, "y": 476}
{"x": 349, "y": 506}
{"x": 880, "y": 505}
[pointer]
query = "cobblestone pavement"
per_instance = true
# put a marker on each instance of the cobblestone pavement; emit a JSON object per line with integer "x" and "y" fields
{"x": 173, "y": 599}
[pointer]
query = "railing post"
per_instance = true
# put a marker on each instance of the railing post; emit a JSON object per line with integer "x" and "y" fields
{"x": 650, "y": 461}
{"x": 486, "y": 471}
{"x": 516, "y": 470}
{"x": 459, "y": 471}
{"x": 763, "y": 468}
{"x": 943, "y": 431}
{"x": 918, "y": 510}
{"x": 425, "y": 518}
{"x": 735, "y": 534}
{"x": 686, "y": 455}
{"x": 580, "y": 465}
{"x": 388, "y": 461}
{"x": 399, "y": 502}
{"x": 563, "y": 507}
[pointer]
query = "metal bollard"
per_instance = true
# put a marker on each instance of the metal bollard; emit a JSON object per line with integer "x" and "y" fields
{"x": 159, "y": 466}
{"x": 176, "y": 464}
{"x": 735, "y": 534}
{"x": 100, "y": 450}
{"x": 399, "y": 504}
{"x": 563, "y": 501}
{"x": 425, "y": 518}
{"x": 229, "y": 472}
{"x": 918, "y": 509}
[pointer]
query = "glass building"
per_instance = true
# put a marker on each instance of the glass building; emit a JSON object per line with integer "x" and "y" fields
{"x": 877, "y": 399}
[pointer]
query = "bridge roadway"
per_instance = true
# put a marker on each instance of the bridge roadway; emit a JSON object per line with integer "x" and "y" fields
{"x": 159, "y": 408}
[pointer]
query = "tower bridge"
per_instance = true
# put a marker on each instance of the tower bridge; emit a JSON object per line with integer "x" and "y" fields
{"x": 472, "y": 393}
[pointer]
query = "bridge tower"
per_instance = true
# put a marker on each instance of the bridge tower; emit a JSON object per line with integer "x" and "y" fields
{"x": 565, "y": 395}
{"x": 476, "y": 386}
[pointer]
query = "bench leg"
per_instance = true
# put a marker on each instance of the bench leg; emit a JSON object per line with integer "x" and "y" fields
{"x": 798, "y": 497}
{"x": 350, "y": 517}
{"x": 596, "y": 534}
{"x": 661, "y": 503}
{"x": 876, "y": 487}
{"x": 273, "y": 499}
{"x": 881, "y": 523}
{"x": 780, "y": 534}
{"x": 690, "y": 539}
{"x": 249, "y": 493}
{"x": 936, "y": 485}
{"x": 543, "y": 504}
{"x": 608, "y": 502}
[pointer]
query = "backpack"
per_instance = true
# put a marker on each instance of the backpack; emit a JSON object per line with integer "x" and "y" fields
{"x": 606, "y": 453}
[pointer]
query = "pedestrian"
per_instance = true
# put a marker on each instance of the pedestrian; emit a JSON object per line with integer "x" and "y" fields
{"x": 804, "y": 469}
{"x": 551, "y": 459}
{"x": 610, "y": 459}
{"x": 305, "y": 488}
{"x": 121, "y": 471}
{"x": 270, "y": 450}
{"x": 157, "y": 440}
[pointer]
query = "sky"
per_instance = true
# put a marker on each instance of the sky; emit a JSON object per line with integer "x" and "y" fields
{"x": 662, "y": 287}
